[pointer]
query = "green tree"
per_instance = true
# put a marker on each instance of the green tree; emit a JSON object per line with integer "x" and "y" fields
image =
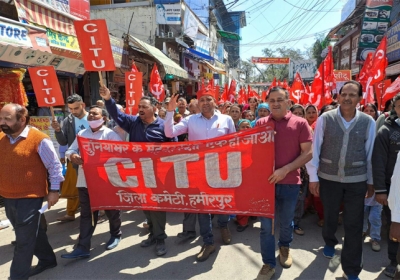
{"x": 320, "y": 44}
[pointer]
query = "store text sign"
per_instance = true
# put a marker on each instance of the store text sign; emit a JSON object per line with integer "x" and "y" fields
{"x": 224, "y": 175}
{"x": 94, "y": 43}
{"x": 47, "y": 88}
{"x": 133, "y": 91}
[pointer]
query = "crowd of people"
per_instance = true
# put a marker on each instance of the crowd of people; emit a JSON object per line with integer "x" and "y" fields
{"x": 337, "y": 162}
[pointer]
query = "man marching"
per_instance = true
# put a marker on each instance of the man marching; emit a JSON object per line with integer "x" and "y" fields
{"x": 96, "y": 119}
{"x": 27, "y": 156}
{"x": 143, "y": 128}
{"x": 205, "y": 125}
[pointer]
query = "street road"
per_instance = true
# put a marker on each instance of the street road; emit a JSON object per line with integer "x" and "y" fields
{"x": 240, "y": 260}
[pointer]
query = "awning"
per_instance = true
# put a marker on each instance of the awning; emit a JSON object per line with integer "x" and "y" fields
{"x": 170, "y": 66}
{"x": 199, "y": 54}
{"x": 33, "y": 13}
{"x": 215, "y": 68}
{"x": 229, "y": 35}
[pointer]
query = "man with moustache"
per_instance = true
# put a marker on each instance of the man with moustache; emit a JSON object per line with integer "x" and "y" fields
{"x": 293, "y": 148}
{"x": 71, "y": 125}
{"x": 27, "y": 159}
{"x": 205, "y": 125}
{"x": 97, "y": 117}
{"x": 341, "y": 172}
{"x": 143, "y": 128}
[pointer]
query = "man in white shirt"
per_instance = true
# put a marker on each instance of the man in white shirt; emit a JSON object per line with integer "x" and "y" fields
{"x": 204, "y": 125}
{"x": 98, "y": 131}
{"x": 340, "y": 171}
{"x": 394, "y": 204}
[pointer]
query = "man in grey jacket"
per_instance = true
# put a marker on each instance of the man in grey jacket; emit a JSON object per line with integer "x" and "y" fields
{"x": 340, "y": 171}
{"x": 65, "y": 134}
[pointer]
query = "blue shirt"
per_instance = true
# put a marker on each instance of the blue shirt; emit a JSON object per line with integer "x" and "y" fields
{"x": 135, "y": 127}
{"x": 81, "y": 124}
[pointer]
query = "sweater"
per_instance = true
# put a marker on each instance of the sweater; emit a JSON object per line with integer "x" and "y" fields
{"x": 343, "y": 157}
{"x": 22, "y": 172}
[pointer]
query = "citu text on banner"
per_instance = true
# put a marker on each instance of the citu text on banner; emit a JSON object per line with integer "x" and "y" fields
{"x": 224, "y": 175}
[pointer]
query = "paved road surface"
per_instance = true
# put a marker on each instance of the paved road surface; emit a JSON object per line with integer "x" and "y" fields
{"x": 240, "y": 260}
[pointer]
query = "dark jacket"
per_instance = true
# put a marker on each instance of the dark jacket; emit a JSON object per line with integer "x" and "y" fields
{"x": 67, "y": 134}
{"x": 154, "y": 132}
{"x": 386, "y": 147}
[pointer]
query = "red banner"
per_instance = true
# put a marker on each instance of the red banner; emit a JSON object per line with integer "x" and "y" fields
{"x": 270, "y": 60}
{"x": 133, "y": 91}
{"x": 47, "y": 88}
{"x": 225, "y": 175}
{"x": 94, "y": 43}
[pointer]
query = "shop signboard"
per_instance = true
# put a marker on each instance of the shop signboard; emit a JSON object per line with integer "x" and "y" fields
{"x": 270, "y": 60}
{"x": 341, "y": 77}
{"x": 78, "y": 8}
{"x": 375, "y": 24}
{"x": 63, "y": 41}
{"x": 393, "y": 47}
{"x": 168, "y": 14}
{"x": 44, "y": 125}
{"x": 306, "y": 68}
{"x": 190, "y": 24}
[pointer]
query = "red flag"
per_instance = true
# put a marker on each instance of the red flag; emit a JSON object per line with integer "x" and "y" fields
{"x": 315, "y": 95}
{"x": 156, "y": 84}
{"x": 379, "y": 63}
{"x": 377, "y": 71}
{"x": 298, "y": 89}
{"x": 321, "y": 93}
{"x": 362, "y": 77}
{"x": 306, "y": 95}
{"x": 134, "y": 68}
{"x": 274, "y": 84}
{"x": 380, "y": 89}
{"x": 224, "y": 96}
{"x": 264, "y": 95}
{"x": 232, "y": 91}
{"x": 217, "y": 92}
{"x": 391, "y": 91}
{"x": 279, "y": 84}
{"x": 285, "y": 85}
{"x": 242, "y": 96}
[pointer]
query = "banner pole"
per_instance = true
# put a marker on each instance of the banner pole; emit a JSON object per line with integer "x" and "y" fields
{"x": 101, "y": 79}
{"x": 52, "y": 112}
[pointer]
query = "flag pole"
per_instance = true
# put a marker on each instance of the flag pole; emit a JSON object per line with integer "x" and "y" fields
{"x": 52, "y": 112}
{"x": 101, "y": 79}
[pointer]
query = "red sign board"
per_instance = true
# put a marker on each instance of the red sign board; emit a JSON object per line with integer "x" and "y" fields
{"x": 133, "y": 91}
{"x": 80, "y": 9}
{"x": 47, "y": 88}
{"x": 270, "y": 60}
{"x": 94, "y": 43}
{"x": 225, "y": 175}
